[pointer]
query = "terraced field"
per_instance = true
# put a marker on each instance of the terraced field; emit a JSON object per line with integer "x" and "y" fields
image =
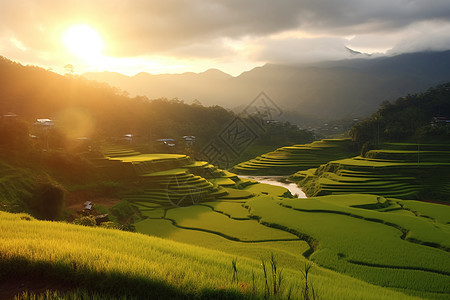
{"x": 400, "y": 244}
{"x": 68, "y": 259}
{"x": 369, "y": 237}
{"x": 166, "y": 180}
{"x": 397, "y": 171}
{"x": 362, "y": 246}
{"x": 290, "y": 159}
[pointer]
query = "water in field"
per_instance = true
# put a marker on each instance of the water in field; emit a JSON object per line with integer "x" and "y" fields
{"x": 279, "y": 181}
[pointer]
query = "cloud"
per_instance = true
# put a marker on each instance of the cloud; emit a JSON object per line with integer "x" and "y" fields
{"x": 304, "y": 50}
{"x": 167, "y": 25}
{"x": 209, "y": 29}
{"x": 424, "y": 36}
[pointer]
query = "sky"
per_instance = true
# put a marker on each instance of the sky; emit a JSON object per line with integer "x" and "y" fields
{"x": 175, "y": 36}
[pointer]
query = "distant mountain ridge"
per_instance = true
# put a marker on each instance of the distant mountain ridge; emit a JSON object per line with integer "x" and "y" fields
{"x": 329, "y": 90}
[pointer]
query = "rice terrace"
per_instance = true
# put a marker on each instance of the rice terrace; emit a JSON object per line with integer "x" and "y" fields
{"x": 316, "y": 166}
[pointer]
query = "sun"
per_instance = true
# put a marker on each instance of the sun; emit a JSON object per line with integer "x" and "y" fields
{"x": 83, "y": 41}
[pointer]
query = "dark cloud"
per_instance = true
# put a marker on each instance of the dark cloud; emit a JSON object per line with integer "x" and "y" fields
{"x": 161, "y": 26}
{"x": 197, "y": 27}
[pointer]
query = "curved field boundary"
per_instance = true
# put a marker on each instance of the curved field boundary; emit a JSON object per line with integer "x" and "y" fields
{"x": 404, "y": 231}
{"x": 332, "y": 242}
{"x": 224, "y": 213}
{"x": 397, "y": 267}
{"x": 312, "y": 243}
{"x": 228, "y": 237}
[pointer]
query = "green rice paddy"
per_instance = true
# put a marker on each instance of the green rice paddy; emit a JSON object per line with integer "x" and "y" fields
{"x": 290, "y": 159}
{"x": 405, "y": 174}
{"x": 383, "y": 248}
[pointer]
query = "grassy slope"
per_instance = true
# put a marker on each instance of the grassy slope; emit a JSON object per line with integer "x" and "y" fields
{"x": 128, "y": 264}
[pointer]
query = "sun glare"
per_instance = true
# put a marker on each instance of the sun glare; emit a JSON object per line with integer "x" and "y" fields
{"x": 83, "y": 41}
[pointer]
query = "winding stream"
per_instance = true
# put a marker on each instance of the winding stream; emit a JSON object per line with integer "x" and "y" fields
{"x": 275, "y": 180}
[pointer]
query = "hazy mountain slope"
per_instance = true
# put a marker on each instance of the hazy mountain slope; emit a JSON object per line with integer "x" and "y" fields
{"x": 186, "y": 86}
{"x": 353, "y": 87}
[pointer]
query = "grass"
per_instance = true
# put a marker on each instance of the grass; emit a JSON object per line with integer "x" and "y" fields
{"x": 287, "y": 251}
{"x": 205, "y": 219}
{"x": 138, "y": 266}
{"x": 262, "y": 188}
{"x": 233, "y": 194}
{"x": 415, "y": 228}
{"x": 84, "y": 255}
{"x": 231, "y": 209}
{"x": 436, "y": 212}
{"x": 363, "y": 243}
{"x": 149, "y": 157}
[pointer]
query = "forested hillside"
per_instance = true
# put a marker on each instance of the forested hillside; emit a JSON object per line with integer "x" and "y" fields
{"x": 83, "y": 108}
{"x": 422, "y": 117}
{"x": 32, "y": 92}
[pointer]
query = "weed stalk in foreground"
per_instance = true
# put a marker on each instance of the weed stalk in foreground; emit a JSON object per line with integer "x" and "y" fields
{"x": 235, "y": 272}
{"x": 308, "y": 291}
{"x": 266, "y": 285}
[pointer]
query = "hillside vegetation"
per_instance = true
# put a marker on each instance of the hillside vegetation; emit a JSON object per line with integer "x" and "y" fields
{"x": 419, "y": 118}
{"x": 81, "y": 108}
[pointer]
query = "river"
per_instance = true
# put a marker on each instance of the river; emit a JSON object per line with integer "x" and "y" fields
{"x": 276, "y": 180}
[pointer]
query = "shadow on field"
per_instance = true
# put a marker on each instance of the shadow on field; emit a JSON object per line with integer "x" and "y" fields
{"x": 19, "y": 275}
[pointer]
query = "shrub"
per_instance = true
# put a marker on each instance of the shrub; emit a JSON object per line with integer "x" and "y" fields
{"x": 85, "y": 221}
{"x": 128, "y": 227}
{"x": 122, "y": 210}
{"x": 109, "y": 225}
{"x": 366, "y": 147}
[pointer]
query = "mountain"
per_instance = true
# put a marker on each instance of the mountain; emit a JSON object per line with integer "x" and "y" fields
{"x": 186, "y": 86}
{"x": 326, "y": 90}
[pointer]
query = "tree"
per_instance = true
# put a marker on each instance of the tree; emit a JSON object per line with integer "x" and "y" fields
{"x": 69, "y": 69}
{"x": 47, "y": 201}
